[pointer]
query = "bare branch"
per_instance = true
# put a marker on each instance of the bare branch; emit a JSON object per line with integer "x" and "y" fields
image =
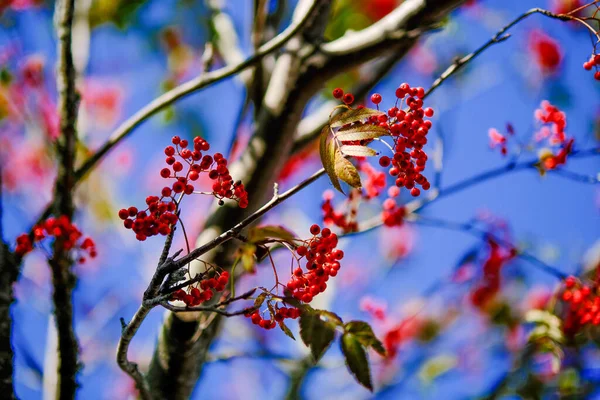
{"x": 61, "y": 263}
{"x": 131, "y": 368}
{"x": 229, "y": 234}
{"x": 190, "y": 87}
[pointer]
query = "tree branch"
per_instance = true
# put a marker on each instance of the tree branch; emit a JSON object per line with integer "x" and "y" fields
{"x": 61, "y": 262}
{"x": 190, "y": 87}
{"x": 9, "y": 271}
{"x": 128, "y": 332}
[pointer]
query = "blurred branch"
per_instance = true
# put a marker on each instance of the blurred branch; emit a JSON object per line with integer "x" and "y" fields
{"x": 472, "y": 229}
{"x": 190, "y": 87}
{"x": 419, "y": 204}
{"x": 61, "y": 263}
{"x": 226, "y": 40}
{"x": 297, "y": 376}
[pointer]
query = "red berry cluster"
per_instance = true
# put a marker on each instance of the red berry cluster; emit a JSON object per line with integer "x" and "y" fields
{"x": 490, "y": 284}
{"x": 65, "y": 234}
{"x": 203, "y": 291}
{"x": 278, "y": 317}
{"x": 344, "y": 220}
{"x": 160, "y": 215}
{"x": 593, "y": 62}
{"x": 322, "y": 262}
{"x": 555, "y": 122}
{"x": 393, "y": 214}
{"x": 157, "y": 218}
{"x": 409, "y": 130}
{"x": 583, "y": 306}
{"x": 347, "y": 98}
{"x": 375, "y": 181}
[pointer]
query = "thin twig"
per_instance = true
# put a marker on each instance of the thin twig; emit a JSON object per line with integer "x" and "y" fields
{"x": 229, "y": 234}
{"x": 131, "y": 368}
{"x": 419, "y": 204}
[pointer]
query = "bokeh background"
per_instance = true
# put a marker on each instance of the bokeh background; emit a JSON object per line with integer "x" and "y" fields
{"x": 129, "y": 52}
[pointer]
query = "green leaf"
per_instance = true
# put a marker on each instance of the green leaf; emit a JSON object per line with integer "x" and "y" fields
{"x": 346, "y": 171}
{"x": 356, "y": 359}
{"x": 361, "y": 132}
{"x": 260, "y": 233}
{"x": 260, "y": 299}
{"x": 358, "y": 151}
{"x": 286, "y": 330}
{"x": 364, "y": 334}
{"x": 352, "y": 115}
{"x": 327, "y": 151}
{"x": 316, "y": 333}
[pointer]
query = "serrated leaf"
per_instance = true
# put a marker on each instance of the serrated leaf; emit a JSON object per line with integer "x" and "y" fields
{"x": 260, "y": 299}
{"x": 352, "y": 115}
{"x": 356, "y": 359}
{"x": 261, "y": 233}
{"x": 361, "y": 132}
{"x": 316, "y": 333}
{"x": 286, "y": 330}
{"x": 365, "y": 335}
{"x": 327, "y": 151}
{"x": 346, "y": 171}
{"x": 358, "y": 151}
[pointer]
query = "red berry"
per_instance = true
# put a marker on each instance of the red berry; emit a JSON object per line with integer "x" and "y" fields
{"x": 348, "y": 98}
{"x": 315, "y": 229}
{"x": 376, "y": 98}
{"x": 384, "y": 161}
{"x": 338, "y": 93}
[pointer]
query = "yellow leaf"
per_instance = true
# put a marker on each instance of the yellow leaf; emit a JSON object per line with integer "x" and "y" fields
{"x": 358, "y": 151}
{"x": 352, "y": 115}
{"x": 346, "y": 171}
{"x": 361, "y": 132}
{"x": 327, "y": 151}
